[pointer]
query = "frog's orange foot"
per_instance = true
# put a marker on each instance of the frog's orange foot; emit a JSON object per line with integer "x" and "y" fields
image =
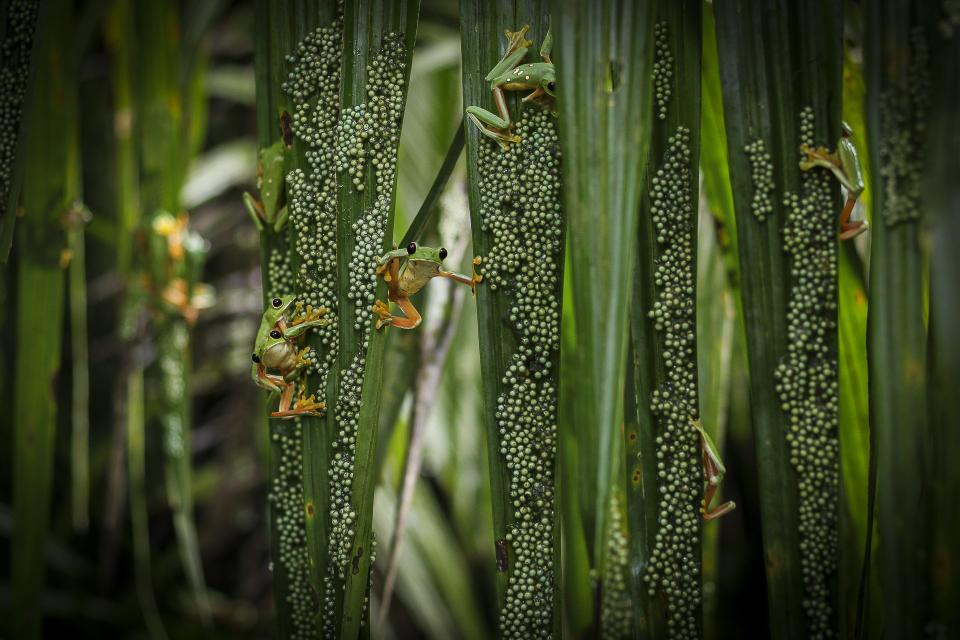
{"x": 302, "y": 357}
{"x": 852, "y": 229}
{"x": 308, "y": 314}
{"x": 477, "y": 277}
{"x": 520, "y": 36}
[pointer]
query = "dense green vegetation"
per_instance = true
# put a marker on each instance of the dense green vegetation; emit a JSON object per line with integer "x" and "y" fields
{"x": 664, "y": 393}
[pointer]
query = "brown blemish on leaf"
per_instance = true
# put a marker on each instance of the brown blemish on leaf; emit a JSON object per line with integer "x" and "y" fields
{"x": 632, "y": 436}
{"x": 636, "y": 476}
{"x": 502, "y": 556}
{"x": 286, "y": 129}
{"x": 356, "y": 561}
{"x": 310, "y": 510}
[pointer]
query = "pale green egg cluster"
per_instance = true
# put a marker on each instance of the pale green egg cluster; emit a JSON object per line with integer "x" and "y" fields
{"x": 662, "y": 69}
{"x": 280, "y": 277}
{"x": 617, "y": 607}
{"x": 807, "y": 380}
{"x": 21, "y": 19}
{"x": 673, "y": 568}
{"x": 903, "y": 123}
{"x": 286, "y": 500}
{"x": 314, "y": 87}
{"x": 520, "y": 207}
{"x": 761, "y": 171}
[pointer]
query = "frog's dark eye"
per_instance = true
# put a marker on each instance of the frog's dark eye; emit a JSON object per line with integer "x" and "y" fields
{"x": 412, "y": 248}
{"x": 256, "y": 358}
{"x": 276, "y": 303}
{"x": 443, "y": 253}
{"x": 551, "y": 86}
{"x": 275, "y": 334}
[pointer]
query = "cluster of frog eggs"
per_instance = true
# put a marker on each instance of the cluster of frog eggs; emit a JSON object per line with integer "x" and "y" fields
{"x": 673, "y": 568}
{"x": 286, "y": 499}
{"x": 617, "y": 607}
{"x": 807, "y": 380}
{"x": 15, "y": 54}
{"x": 370, "y": 133}
{"x": 520, "y": 207}
{"x": 662, "y": 69}
{"x": 314, "y": 88}
{"x": 761, "y": 171}
{"x": 903, "y": 120}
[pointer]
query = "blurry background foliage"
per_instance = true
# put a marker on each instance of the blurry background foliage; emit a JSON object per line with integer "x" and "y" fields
{"x": 128, "y": 509}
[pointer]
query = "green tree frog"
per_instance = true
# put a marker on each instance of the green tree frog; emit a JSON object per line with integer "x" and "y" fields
{"x": 422, "y": 264}
{"x": 845, "y": 165}
{"x": 509, "y": 75}
{"x": 713, "y": 472}
{"x": 270, "y": 210}
{"x": 276, "y": 348}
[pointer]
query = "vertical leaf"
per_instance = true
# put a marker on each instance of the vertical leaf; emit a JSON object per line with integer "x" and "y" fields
{"x": 664, "y": 472}
{"x": 174, "y": 258}
{"x": 897, "y": 79}
{"x": 516, "y": 216}
{"x": 786, "y": 226}
{"x": 49, "y": 170}
{"x": 944, "y": 206}
{"x": 18, "y": 19}
{"x": 604, "y": 97}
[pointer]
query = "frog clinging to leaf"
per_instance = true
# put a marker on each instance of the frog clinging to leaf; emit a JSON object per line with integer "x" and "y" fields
{"x": 276, "y": 348}
{"x": 420, "y": 265}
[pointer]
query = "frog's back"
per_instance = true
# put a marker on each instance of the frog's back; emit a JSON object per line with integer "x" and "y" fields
{"x": 523, "y": 75}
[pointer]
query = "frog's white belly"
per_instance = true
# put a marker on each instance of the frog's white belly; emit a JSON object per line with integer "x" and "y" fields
{"x": 416, "y": 274}
{"x": 282, "y": 356}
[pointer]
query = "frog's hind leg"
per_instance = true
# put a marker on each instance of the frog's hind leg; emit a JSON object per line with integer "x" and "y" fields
{"x": 547, "y": 47}
{"x": 286, "y": 398}
{"x": 711, "y": 473}
{"x": 410, "y": 321}
{"x": 305, "y": 406}
{"x": 849, "y": 230}
{"x": 493, "y": 125}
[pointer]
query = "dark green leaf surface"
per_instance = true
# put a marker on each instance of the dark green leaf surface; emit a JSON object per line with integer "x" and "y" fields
{"x": 895, "y": 63}
{"x": 45, "y": 196}
{"x": 763, "y": 102}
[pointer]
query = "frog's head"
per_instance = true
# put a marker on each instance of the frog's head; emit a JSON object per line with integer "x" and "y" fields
{"x": 549, "y": 83}
{"x": 280, "y": 304}
{"x": 426, "y": 254}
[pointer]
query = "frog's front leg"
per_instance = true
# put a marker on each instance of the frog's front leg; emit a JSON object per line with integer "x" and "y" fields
{"x": 471, "y": 281}
{"x": 296, "y": 330}
{"x": 255, "y": 209}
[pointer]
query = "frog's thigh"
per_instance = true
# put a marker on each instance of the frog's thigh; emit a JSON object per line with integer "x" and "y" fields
{"x": 412, "y": 319}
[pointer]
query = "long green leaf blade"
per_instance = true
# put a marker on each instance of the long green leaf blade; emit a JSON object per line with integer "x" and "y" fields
{"x": 897, "y": 79}
{"x": 46, "y": 196}
{"x": 664, "y": 478}
{"x": 517, "y": 222}
{"x": 786, "y": 232}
